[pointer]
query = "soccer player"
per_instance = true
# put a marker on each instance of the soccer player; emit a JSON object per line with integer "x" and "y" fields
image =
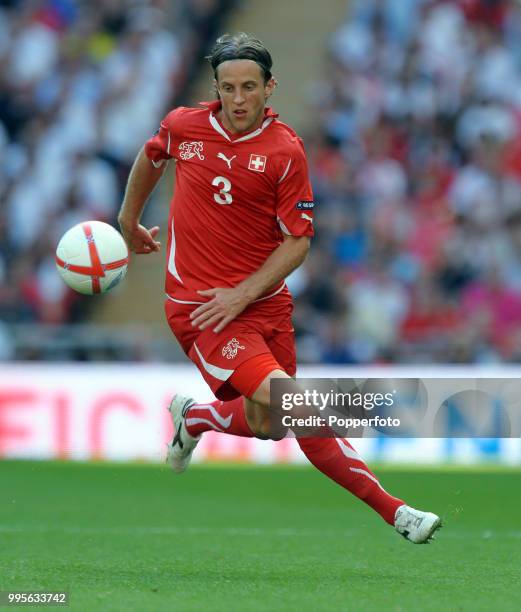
{"x": 240, "y": 222}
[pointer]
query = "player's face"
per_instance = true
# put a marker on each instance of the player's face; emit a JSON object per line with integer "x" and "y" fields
{"x": 243, "y": 94}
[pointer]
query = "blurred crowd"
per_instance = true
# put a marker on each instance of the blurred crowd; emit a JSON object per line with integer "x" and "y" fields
{"x": 416, "y": 166}
{"x": 415, "y": 157}
{"x": 82, "y": 85}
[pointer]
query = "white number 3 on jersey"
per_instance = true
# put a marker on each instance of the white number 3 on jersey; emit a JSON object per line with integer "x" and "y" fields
{"x": 224, "y": 196}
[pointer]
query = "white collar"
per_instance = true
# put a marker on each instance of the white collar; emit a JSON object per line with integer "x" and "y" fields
{"x": 218, "y": 128}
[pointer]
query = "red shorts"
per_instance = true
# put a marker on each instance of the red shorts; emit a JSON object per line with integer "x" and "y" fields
{"x": 263, "y": 327}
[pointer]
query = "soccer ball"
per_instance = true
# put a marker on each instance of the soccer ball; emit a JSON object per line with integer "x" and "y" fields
{"x": 92, "y": 257}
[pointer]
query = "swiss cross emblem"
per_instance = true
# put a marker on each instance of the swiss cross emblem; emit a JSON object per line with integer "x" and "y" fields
{"x": 257, "y": 163}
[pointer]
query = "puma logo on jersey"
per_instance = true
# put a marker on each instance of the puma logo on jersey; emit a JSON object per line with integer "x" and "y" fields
{"x": 307, "y": 217}
{"x": 228, "y": 161}
{"x": 191, "y": 149}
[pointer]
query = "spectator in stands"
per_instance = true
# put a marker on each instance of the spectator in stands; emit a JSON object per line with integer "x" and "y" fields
{"x": 417, "y": 156}
{"x": 82, "y": 85}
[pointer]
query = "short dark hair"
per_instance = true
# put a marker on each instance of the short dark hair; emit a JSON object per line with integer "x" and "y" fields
{"x": 240, "y": 46}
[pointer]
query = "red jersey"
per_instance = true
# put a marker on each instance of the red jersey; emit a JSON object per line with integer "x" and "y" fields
{"x": 234, "y": 196}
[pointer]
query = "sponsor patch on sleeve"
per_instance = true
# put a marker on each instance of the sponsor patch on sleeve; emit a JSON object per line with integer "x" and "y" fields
{"x": 305, "y": 205}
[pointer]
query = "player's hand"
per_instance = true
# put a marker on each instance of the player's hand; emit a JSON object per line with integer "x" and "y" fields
{"x": 224, "y": 306}
{"x": 139, "y": 239}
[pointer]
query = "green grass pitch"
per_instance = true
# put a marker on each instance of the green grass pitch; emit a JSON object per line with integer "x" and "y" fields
{"x": 133, "y": 537}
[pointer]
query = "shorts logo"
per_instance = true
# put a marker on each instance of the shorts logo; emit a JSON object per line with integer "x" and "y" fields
{"x": 257, "y": 163}
{"x": 231, "y": 348}
{"x": 191, "y": 149}
{"x": 305, "y": 205}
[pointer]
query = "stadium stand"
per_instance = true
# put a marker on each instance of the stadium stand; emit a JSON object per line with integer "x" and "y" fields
{"x": 417, "y": 175}
{"x": 414, "y": 152}
{"x": 82, "y": 86}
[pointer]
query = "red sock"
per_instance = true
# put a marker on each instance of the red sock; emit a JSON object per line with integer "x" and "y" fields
{"x": 226, "y": 417}
{"x": 338, "y": 460}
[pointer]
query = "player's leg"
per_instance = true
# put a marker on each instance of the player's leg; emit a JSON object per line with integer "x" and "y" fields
{"x": 222, "y": 416}
{"x": 257, "y": 356}
{"x": 233, "y": 363}
{"x": 239, "y": 416}
{"x": 191, "y": 420}
{"x": 216, "y": 363}
{"x": 338, "y": 460}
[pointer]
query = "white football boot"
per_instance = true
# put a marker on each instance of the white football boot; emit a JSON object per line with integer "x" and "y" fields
{"x": 415, "y": 525}
{"x": 179, "y": 451}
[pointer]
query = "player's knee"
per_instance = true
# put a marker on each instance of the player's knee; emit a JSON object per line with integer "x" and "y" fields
{"x": 263, "y": 424}
{"x": 261, "y": 394}
{"x": 277, "y": 436}
{"x": 272, "y": 430}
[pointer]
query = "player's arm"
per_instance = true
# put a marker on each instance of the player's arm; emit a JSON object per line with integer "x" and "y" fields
{"x": 226, "y": 304}
{"x": 285, "y": 258}
{"x": 142, "y": 180}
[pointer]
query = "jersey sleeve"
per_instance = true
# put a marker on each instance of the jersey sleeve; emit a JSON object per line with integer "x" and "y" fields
{"x": 295, "y": 196}
{"x": 160, "y": 148}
